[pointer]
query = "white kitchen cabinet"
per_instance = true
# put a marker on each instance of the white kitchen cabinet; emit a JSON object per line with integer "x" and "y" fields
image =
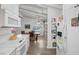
{"x": 23, "y": 45}
{"x": 21, "y": 50}
{"x": 9, "y": 16}
{"x": 12, "y": 8}
{"x": 13, "y": 52}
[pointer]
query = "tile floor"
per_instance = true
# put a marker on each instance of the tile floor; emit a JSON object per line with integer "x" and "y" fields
{"x": 39, "y": 48}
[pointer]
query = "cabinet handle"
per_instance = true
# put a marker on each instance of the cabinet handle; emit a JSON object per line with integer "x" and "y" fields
{"x": 20, "y": 41}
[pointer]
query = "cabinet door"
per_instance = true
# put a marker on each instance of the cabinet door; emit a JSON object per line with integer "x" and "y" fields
{"x": 13, "y": 53}
{"x": 12, "y": 8}
{"x": 21, "y": 50}
{"x": 10, "y": 16}
{"x": 10, "y": 20}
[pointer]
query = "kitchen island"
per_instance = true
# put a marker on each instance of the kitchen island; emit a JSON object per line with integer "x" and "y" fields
{"x": 14, "y": 47}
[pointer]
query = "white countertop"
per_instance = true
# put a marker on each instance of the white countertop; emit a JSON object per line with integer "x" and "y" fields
{"x": 10, "y": 45}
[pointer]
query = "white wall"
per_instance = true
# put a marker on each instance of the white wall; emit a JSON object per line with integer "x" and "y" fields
{"x": 28, "y": 21}
{"x": 72, "y": 32}
{"x": 32, "y": 23}
{"x": 52, "y": 13}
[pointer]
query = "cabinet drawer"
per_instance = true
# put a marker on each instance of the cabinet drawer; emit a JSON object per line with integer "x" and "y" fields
{"x": 13, "y": 53}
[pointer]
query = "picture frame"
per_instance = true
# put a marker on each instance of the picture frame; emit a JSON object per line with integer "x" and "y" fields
{"x": 74, "y": 22}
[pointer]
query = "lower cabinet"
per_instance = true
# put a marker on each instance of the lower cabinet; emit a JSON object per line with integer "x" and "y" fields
{"x": 13, "y": 53}
{"x": 60, "y": 50}
{"x": 22, "y": 49}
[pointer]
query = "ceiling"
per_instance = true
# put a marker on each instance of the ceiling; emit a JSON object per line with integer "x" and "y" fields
{"x": 58, "y": 6}
{"x": 34, "y": 11}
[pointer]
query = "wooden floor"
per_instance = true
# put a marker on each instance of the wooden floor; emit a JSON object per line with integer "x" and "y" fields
{"x": 39, "y": 48}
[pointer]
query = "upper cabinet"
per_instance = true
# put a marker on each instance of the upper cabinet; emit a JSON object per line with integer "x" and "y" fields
{"x": 12, "y": 8}
{"x": 9, "y": 15}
